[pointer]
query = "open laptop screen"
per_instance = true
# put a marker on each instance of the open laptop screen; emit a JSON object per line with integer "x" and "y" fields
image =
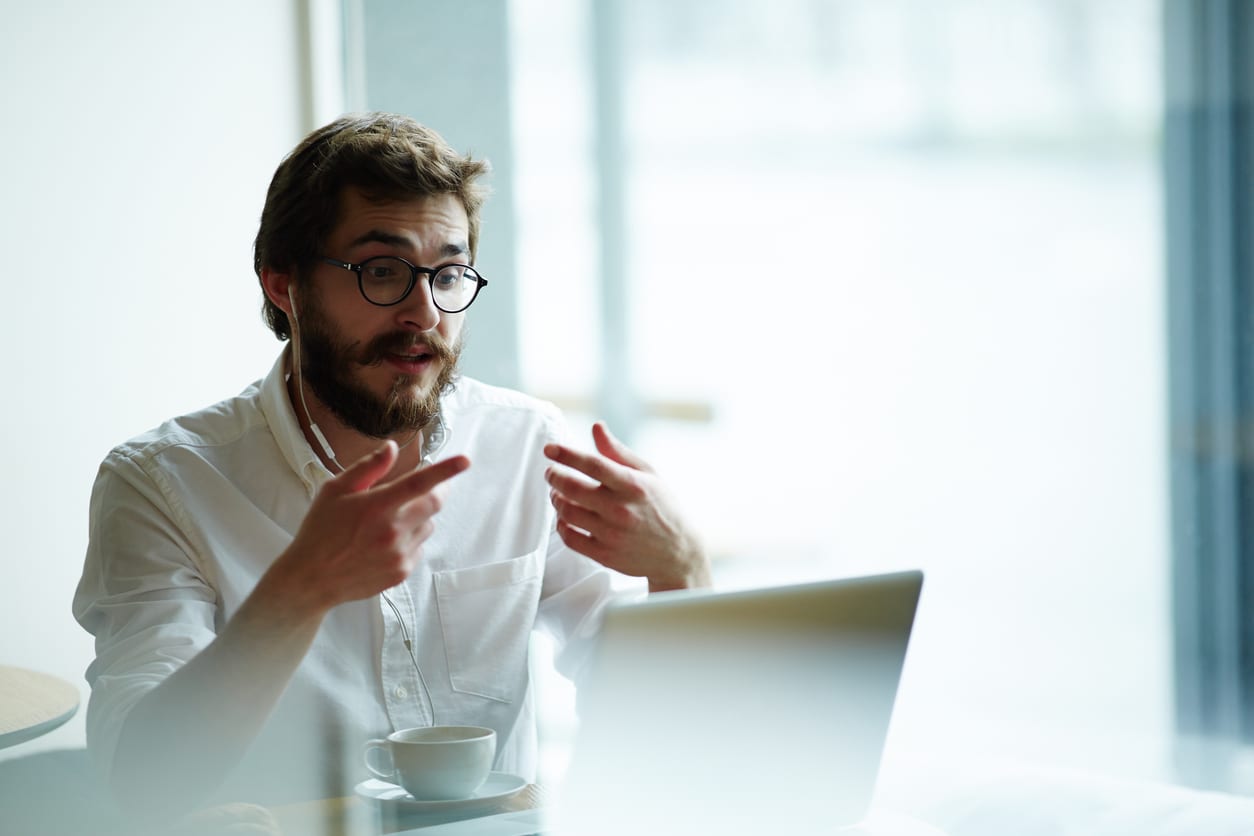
{"x": 740, "y": 712}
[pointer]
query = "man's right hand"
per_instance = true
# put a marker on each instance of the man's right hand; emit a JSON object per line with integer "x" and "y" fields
{"x": 363, "y": 535}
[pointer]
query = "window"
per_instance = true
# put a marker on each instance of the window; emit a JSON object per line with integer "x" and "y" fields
{"x": 901, "y": 268}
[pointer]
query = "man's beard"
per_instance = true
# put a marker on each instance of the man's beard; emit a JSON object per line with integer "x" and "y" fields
{"x": 328, "y": 364}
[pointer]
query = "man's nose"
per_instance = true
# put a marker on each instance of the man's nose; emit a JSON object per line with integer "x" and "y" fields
{"x": 417, "y": 311}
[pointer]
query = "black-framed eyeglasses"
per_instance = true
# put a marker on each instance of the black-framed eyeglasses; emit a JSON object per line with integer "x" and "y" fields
{"x": 387, "y": 279}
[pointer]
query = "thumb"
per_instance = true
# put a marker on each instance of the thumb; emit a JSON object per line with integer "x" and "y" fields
{"x": 366, "y": 471}
{"x": 615, "y": 450}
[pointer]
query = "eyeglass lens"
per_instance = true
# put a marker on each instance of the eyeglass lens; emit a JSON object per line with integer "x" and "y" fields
{"x": 384, "y": 281}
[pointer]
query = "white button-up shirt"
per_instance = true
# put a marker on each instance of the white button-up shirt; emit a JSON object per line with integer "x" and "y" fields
{"x": 185, "y": 520}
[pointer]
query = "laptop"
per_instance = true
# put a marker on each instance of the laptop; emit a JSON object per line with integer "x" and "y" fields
{"x": 749, "y": 711}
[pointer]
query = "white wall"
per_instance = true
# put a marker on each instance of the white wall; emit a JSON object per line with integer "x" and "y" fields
{"x": 137, "y": 138}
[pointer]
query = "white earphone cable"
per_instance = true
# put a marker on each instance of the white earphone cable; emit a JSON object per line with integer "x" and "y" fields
{"x": 330, "y": 453}
{"x": 410, "y": 647}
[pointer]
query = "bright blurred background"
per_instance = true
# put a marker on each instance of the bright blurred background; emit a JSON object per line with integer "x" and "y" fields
{"x": 891, "y": 296}
{"x": 875, "y": 283}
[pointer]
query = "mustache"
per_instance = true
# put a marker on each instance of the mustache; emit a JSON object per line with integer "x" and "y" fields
{"x": 401, "y": 342}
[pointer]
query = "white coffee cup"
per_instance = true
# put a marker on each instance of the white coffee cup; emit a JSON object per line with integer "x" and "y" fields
{"x": 434, "y": 763}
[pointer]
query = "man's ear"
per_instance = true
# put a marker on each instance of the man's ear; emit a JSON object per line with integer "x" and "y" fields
{"x": 276, "y": 285}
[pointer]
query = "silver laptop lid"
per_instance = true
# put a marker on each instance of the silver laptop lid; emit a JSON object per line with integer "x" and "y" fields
{"x": 735, "y": 712}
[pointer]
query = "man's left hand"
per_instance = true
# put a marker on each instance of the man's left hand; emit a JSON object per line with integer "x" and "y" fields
{"x": 616, "y": 510}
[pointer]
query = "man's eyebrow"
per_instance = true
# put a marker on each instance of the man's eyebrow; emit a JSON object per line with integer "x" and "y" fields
{"x": 380, "y": 236}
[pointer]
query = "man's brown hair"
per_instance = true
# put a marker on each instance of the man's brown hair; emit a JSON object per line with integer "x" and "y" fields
{"x": 386, "y": 156}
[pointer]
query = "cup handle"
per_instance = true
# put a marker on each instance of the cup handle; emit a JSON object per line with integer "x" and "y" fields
{"x": 378, "y": 745}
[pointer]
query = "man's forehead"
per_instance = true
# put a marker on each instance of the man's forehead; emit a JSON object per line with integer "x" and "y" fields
{"x": 437, "y": 220}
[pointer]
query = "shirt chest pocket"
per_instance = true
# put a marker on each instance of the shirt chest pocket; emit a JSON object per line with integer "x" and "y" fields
{"x": 486, "y": 615}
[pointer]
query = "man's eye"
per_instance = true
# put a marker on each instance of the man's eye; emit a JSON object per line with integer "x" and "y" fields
{"x": 381, "y": 272}
{"x": 448, "y": 278}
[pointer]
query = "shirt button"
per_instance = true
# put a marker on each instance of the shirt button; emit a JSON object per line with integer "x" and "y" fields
{"x": 400, "y": 692}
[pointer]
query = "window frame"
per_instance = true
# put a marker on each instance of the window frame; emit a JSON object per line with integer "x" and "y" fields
{"x": 1208, "y": 161}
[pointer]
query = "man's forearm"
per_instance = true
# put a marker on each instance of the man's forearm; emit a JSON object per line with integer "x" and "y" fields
{"x": 181, "y": 739}
{"x": 360, "y": 537}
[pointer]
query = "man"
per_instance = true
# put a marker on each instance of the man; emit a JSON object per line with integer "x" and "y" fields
{"x": 364, "y": 540}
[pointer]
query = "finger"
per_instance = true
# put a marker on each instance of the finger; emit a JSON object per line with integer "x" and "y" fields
{"x": 423, "y": 480}
{"x": 576, "y": 489}
{"x": 414, "y": 512}
{"x": 582, "y": 542}
{"x": 609, "y": 445}
{"x": 422, "y": 532}
{"x": 589, "y": 546}
{"x": 589, "y": 464}
{"x": 366, "y": 471}
{"x": 576, "y": 515}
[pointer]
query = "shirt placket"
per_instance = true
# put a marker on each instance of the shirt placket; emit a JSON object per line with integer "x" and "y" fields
{"x": 407, "y": 703}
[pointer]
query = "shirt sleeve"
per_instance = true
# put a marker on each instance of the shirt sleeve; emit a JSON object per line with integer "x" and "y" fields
{"x": 142, "y": 595}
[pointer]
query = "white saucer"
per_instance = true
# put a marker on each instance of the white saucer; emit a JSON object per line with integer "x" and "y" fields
{"x": 498, "y": 787}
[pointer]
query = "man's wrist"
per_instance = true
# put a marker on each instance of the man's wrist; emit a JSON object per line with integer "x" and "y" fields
{"x": 283, "y": 591}
{"x": 693, "y": 572}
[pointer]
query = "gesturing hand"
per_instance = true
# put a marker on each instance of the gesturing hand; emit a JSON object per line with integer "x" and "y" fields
{"x": 620, "y": 514}
{"x": 363, "y": 536}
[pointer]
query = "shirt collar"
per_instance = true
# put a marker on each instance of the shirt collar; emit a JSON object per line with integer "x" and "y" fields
{"x": 281, "y": 416}
{"x": 434, "y": 439}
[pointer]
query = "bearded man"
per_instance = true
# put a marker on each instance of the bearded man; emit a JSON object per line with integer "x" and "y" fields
{"x": 364, "y": 540}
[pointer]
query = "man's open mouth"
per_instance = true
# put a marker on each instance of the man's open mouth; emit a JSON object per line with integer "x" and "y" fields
{"x": 416, "y": 356}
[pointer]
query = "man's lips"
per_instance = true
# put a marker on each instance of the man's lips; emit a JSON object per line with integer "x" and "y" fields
{"x": 411, "y": 362}
{"x": 409, "y": 355}
{"x": 413, "y": 354}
